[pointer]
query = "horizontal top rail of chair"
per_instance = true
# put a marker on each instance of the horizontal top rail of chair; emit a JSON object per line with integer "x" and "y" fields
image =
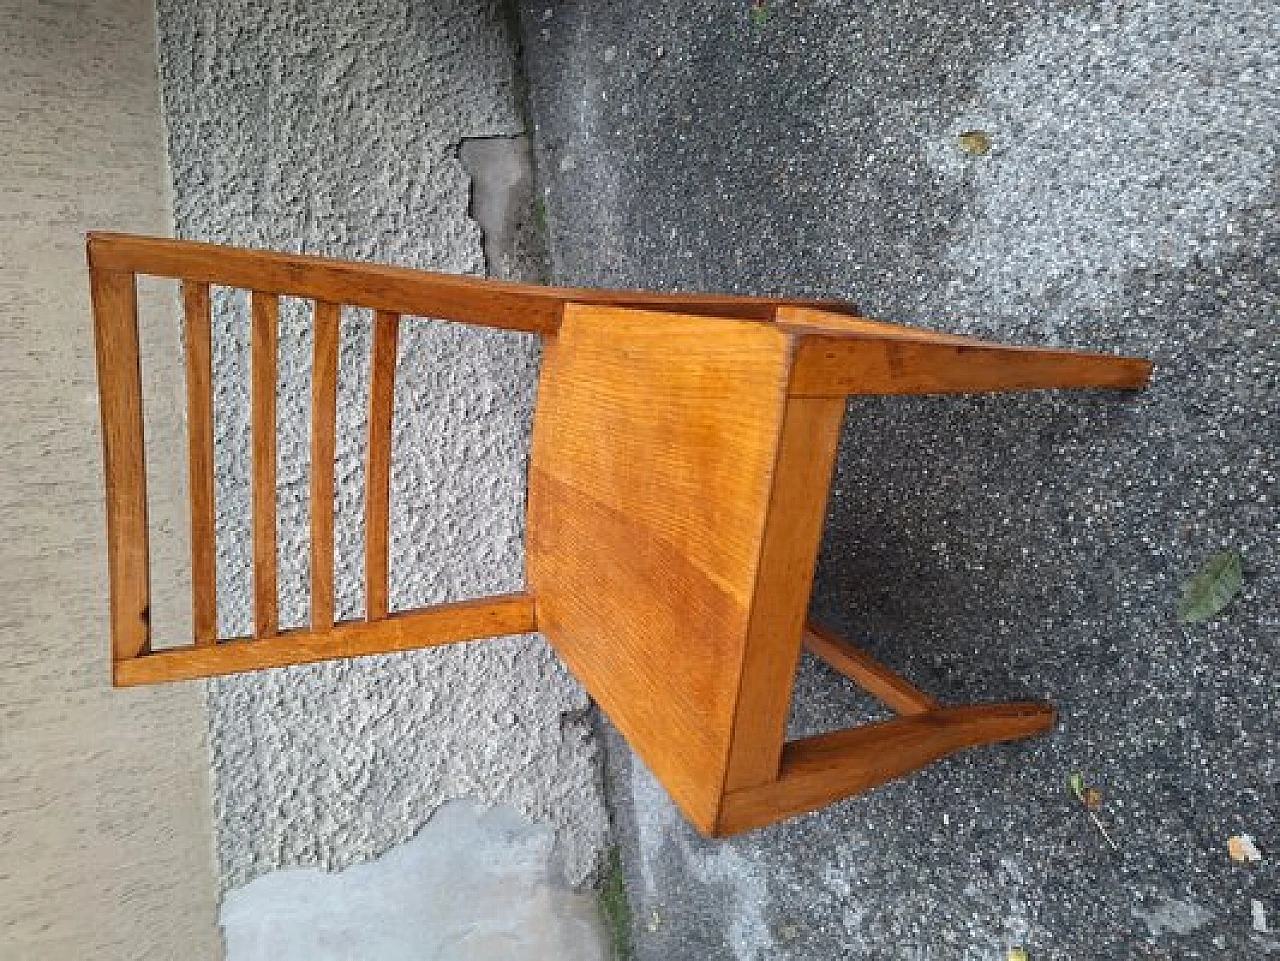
{"x": 492, "y": 303}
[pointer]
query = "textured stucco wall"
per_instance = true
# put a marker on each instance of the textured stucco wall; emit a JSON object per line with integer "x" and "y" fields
{"x": 333, "y": 127}
{"x": 105, "y": 838}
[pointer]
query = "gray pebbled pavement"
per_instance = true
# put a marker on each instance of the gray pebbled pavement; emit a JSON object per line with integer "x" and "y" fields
{"x": 991, "y": 547}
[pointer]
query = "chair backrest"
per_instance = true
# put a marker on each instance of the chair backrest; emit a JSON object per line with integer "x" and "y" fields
{"x": 115, "y": 261}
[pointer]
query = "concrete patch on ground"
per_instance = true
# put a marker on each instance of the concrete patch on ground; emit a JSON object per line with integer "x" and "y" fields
{"x": 1166, "y": 915}
{"x": 659, "y": 823}
{"x": 333, "y": 128}
{"x": 474, "y": 885}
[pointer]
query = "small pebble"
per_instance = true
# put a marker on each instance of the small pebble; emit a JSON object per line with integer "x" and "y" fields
{"x": 1259, "y": 913}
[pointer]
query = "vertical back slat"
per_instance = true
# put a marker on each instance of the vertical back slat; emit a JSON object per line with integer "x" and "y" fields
{"x": 115, "y": 308}
{"x": 266, "y": 322}
{"x": 324, "y": 415}
{"x": 204, "y": 596}
{"x": 386, "y": 334}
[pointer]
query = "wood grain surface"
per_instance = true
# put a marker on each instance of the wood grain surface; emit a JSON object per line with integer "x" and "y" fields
{"x": 404, "y": 631}
{"x": 653, "y": 453}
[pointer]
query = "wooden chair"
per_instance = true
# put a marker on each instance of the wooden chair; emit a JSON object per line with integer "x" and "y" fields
{"x": 683, "y": 447}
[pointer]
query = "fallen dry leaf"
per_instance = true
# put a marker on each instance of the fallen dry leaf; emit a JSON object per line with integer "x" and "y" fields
{"x": 1242, "y": 848}
{"x": 1212, "y": 589}
{"x": 976, "y": 142}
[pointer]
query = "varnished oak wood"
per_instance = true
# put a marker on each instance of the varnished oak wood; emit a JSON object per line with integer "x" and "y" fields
{"x": 403, "y": 631}
{"x": 488, "y": 303}
{"x": 817, "y": 771}
{"x": 263, "y": 359}
{"x": 324, "y": 416}
{"x": 806, "y": 320}
{"x": 382, "y": 386}
{"x": 654, "y": 445}
{"x": 877, "y": 680}
{"x": 199, "y": 355}
{"x": 801, "y": 481}
{"x": 840, "y": 364}
{"x": 682, "y": 452}
{"x": 115, "y": 311}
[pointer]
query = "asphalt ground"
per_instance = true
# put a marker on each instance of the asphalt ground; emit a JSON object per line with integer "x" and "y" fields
{"x": 1121, "y": 195}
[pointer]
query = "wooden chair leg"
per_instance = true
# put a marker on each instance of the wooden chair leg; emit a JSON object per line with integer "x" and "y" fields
{"x": 817, "y": 771}
{"x": 828, "y": 365}
{"x": 892, "y": 690}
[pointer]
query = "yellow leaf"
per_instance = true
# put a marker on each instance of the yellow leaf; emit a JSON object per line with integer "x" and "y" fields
{"x": 976, "y": 142}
